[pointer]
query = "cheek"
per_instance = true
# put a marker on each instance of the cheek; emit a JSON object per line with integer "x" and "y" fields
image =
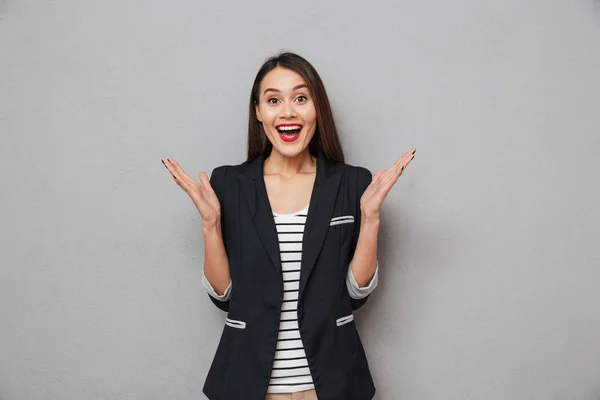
{"x": 310, "y": 116}
{"x": 267, "y": 116}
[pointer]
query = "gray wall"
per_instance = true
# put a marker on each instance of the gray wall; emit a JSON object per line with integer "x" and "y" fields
{"x": 489, "y": 243}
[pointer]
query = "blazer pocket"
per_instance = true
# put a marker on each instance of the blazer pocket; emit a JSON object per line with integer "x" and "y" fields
{"x": 345, "y": 219}
{"x": 344, "y": 320}
{"x": 235, "y": 323}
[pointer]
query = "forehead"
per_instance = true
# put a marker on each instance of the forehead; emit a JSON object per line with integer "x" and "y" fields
{"x": 282, "y": 79}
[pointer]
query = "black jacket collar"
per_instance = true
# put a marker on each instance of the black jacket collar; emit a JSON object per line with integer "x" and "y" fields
{"x": 320, "y": 211}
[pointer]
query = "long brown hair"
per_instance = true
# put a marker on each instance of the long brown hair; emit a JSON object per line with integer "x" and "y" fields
{"x": 325, "y": 139}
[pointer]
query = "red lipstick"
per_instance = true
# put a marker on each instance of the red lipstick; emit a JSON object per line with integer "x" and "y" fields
{"x": 289, "y": 132}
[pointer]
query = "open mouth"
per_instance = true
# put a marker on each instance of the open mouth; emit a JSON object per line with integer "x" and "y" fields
{"x": 289, "y": 132}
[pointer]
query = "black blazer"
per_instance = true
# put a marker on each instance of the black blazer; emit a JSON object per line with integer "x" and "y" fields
{"x": 242, "y": 364}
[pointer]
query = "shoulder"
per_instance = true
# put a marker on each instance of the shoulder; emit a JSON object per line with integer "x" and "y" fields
{"x": 220, "y": 171}
{"x": 361, "y": 175}
{"x": 227, "y": 169}
{"x": 220, "y": 178}
{"x": 225, "y": 175}
{"x": 218, "y": 174}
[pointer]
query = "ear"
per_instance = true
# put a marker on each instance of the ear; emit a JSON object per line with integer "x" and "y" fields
{"x": 257, "y": 110}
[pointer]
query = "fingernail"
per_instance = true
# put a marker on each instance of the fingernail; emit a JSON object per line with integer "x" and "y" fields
{"x": 163, "y": 162}
{"x": 414, "y": 151}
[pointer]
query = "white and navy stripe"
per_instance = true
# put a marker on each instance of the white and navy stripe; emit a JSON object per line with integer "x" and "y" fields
{"x": 290, "y": 371}
{"x": 346, "y": 219}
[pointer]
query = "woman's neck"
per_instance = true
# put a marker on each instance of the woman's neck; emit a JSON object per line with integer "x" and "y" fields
{"x": 286, "y": 167}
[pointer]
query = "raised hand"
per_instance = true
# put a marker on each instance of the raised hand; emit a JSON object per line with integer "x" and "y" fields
{"x": 202, "y": 194}
{"x": 383, "y": 180}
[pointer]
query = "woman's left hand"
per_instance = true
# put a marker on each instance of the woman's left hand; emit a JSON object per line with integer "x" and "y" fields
{"x": 383, "y": 180}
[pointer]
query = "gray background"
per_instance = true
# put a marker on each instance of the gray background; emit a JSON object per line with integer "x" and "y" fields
{"x": 489, "y": 241}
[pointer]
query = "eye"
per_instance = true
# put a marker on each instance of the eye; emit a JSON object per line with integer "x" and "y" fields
{"x": 272, "y": 100}
{"x": 302, "y": 99}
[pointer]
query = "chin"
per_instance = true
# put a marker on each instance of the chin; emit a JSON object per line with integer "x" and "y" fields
{"x": 290, "y": 152}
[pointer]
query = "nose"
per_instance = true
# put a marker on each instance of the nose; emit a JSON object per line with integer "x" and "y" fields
{"x": 287, "y": 110}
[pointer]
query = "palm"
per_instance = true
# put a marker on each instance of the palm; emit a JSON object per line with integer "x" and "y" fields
{"x": 383, "y": 181}
{"x": 202, "y": 194}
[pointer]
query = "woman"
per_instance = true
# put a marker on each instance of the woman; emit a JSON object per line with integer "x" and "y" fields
{"x": 290, "y": 247}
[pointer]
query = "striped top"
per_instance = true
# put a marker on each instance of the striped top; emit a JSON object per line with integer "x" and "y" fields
{"x": 290, "y": 371}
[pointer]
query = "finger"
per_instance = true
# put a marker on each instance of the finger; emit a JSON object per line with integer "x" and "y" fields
{"x": 165, "y": 164}
{"x": 407, "y": 159}
{"x": 399, "y": 162}
{"x": 394, "y": 170}
{"x": 389, "y": 179}
{"x": 402, "y": 161}
{"x": 397, "y": 168}
{"x": 387, "y": 184}
{"x": 205, "y": 181}
{"x": 168, "y": 163}
{"x": 169, "y": 168}
{"x": 410, "y": 157}
{"x": 391, "y": 174}
{"x": 180, "y": 173}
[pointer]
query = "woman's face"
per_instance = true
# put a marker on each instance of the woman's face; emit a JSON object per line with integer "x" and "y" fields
{"x": 287, "y": 111}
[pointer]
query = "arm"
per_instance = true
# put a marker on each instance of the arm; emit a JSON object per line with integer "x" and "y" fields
{"x": 362, "y": 275}
{"x": 364, "y": 263}
{"x": 372, "y": 191}
{"x": 360, "y": 292}
{"x": 216, "y": 275}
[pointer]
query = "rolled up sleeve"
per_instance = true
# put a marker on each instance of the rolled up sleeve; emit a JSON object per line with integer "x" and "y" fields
{"x": 212, "y": 292}
{"x": 357, "y": 292}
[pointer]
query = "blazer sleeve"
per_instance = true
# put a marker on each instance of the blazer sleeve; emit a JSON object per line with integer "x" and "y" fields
{"x": 363, "y": 180}
{"x": 354, "y": 290}
{"x": 218, "y": 183}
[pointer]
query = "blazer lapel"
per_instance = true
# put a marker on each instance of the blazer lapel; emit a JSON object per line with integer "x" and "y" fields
{"x": 320, "y": 211}
{"x": 255, "y": 192}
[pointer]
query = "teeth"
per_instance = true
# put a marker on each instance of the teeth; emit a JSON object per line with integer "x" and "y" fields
{"x": 289, "y": 128}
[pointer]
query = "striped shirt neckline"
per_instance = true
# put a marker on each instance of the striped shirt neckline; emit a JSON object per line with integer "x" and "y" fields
{"x": 276, "y": 214}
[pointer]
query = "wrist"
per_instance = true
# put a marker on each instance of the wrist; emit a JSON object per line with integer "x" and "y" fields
{"x": 370, "y": 218}
{"x": 211, "y": 228}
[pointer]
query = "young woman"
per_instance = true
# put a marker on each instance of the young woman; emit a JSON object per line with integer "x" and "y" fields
{"x": 290, "y": 241}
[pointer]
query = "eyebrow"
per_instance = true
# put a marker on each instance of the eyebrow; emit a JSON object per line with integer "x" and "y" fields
{"x": 302, "y": 85}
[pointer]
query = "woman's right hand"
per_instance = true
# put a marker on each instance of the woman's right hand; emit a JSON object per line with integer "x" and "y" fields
{"x": 202, "y": 194}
